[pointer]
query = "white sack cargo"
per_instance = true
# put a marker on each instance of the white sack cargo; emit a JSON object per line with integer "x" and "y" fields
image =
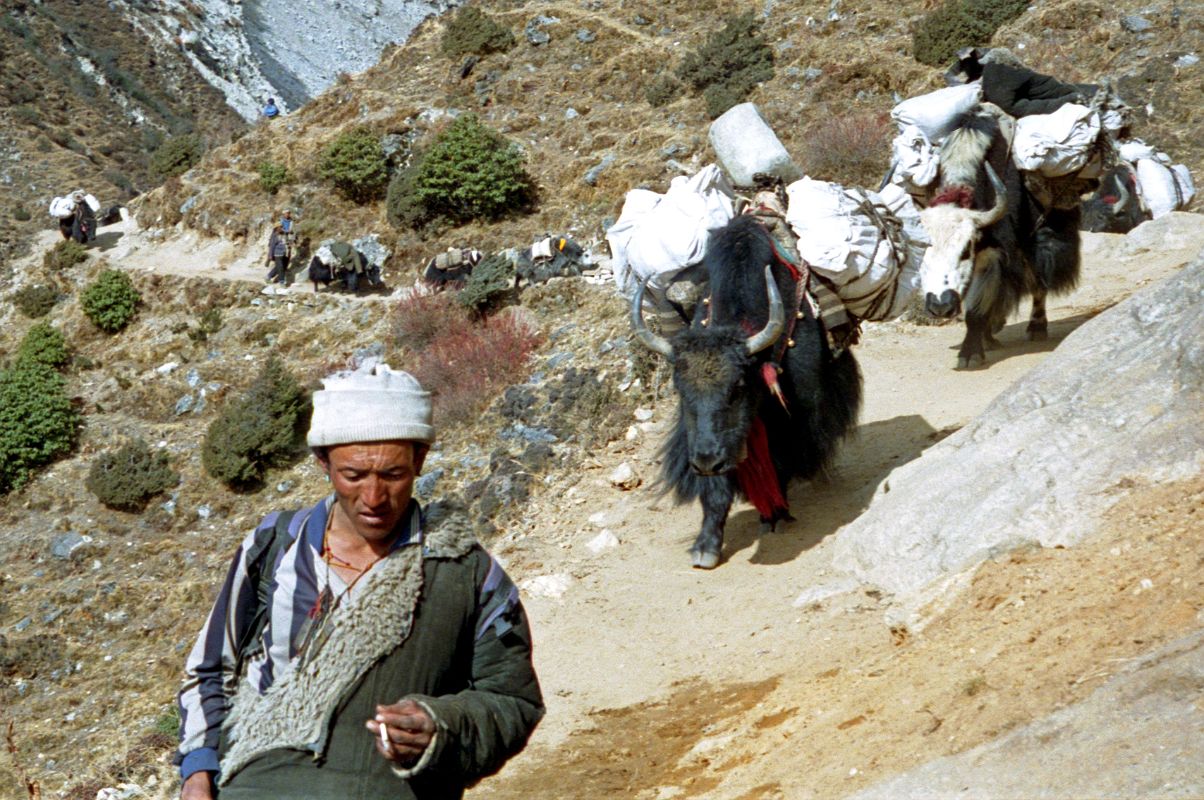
{"x": 657, "y": 235}
{"x": 1163, "y": 187}
{"x": 936, "y": 113}
{"x": 745, "y": 145}
{"x": 842, "y": 241}
{"x": 92, "y": 202}
{"x": 915, "y": 160}
{"x": 1056, "y": 144}
{"x": 62, "y": 207}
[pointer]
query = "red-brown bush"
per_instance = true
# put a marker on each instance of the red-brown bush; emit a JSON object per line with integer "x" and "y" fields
{"x": 466, "y": 368}
{"x": 851, "y": 149}
{"x": 425, "y": 317}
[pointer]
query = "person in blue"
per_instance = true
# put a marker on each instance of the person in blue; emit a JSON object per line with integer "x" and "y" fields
{"x": 270, "y": 110}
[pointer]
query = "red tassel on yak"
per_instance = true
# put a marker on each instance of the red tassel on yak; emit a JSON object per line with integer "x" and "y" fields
{"x": 757, "y": 476}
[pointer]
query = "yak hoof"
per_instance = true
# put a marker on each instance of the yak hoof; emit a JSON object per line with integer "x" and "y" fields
{"x": 971, "y": 362}
{"x": 1038, "y": 334}
{"x": 991, "y": 343}
{"x": 704, "y": 559}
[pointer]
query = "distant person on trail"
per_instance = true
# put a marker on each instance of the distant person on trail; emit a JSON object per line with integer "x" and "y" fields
{"x": 278, "y": 255}
{"x": 270, "y": 110}
{"x": 363, "y": 647}
{"x": 286, "y": 222}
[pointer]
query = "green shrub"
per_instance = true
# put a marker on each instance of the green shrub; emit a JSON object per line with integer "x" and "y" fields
{"x": 852, "y": 149}
{"x": 177, "y": 155}
{"x": 355, "y": 164}
{"x": 945, "y": 30}
{"x": 489, "y": 283}
{"x": 273, "y": 176}
{"x": 43, "y": 345}
{"x": 729, "y": 64}
{"x": 21, "y": 214}
{"x": 111, "y": 301}
{"x": 473, "y": 31}
{"x": 126, "y": 478}
{"x": 402, "y": 206}
{"x": 64, "y": 255}
{"x": 663, "y": 90}
{"x": 470, "y": 172}
{"x": 36, "y": 300}
{"x": 259, "y": 430}
{"x": 38, "y": 422}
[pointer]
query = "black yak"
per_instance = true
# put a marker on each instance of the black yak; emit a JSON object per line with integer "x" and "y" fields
{"x": 992, "y": 242}
{"x": 761, "y": 397}
{"x": 1116, "y": 206}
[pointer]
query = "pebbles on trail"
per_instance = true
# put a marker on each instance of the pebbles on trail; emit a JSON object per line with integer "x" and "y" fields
{"x": 625, "y": 477}
{"x": 548, "y": 586}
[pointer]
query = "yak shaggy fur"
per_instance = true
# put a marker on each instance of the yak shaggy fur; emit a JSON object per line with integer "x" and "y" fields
{"x": 721, "y": 389}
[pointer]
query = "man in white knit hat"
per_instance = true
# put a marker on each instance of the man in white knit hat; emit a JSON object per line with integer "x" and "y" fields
{"x": 364, "y": 647}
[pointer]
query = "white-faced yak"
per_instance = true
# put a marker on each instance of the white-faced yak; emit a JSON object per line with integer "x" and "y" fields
{"x": 761, "y": 397}
{"x": 992, "y": 242}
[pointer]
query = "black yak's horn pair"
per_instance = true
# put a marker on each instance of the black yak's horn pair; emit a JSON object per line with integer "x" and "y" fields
{"x": 756, "y": 343}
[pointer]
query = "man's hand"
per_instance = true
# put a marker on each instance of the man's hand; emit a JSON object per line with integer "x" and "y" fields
{"x": 408, "y": 731}
{"x": 198, "y": 786}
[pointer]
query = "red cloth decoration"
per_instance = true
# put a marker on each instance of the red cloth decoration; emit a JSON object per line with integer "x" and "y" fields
{"x": 757, "y": 476}
{"x": 956, "y": 195}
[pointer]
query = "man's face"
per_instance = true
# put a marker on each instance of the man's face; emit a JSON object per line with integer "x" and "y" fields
{"x": 373, "y": 482}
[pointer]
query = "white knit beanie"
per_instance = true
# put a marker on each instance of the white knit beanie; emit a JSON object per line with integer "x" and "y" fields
{"x": 379, "y": 405}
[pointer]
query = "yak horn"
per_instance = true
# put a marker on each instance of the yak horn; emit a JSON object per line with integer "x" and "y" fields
{"x": 890, "y": 173}
{"x": 657, "y": 344}
{"x": 985, "y": 219}
{"x": 777, "y": 317}
{"x": 1122, "y": 197}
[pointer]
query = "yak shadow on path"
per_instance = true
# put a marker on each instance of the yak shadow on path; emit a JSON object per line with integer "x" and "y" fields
{"x": 1014, "y": 337}
{"x": 106, "y": 241}
{"x": 824, "y": 505}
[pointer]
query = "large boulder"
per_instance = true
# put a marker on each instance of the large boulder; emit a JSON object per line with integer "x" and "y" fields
{"x": 1118, "y": 404}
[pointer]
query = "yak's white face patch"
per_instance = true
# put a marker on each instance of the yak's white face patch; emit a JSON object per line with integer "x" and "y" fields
{"x": 949, "y": 261}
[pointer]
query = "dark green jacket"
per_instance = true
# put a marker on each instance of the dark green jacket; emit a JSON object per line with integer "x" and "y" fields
{"x": 466, "y": 659}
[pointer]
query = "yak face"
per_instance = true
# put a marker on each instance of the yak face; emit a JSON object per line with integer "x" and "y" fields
{"x": 1115, "y": 207}
{"x": 713, "y": 373}
{"x": 954, "y": 231}
{"x": 949, "y": 260}
{"x": 713, "y": 368}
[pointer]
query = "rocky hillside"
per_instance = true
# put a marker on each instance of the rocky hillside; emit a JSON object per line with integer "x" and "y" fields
{"x": 89, "y": 89}
{"x": 573, "y": 95}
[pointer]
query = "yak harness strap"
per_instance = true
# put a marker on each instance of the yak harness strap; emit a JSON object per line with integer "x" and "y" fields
{"x": 757, "y": 476}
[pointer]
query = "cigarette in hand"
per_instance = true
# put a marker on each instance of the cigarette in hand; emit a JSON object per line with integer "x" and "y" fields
{"x": 384, "y": 736}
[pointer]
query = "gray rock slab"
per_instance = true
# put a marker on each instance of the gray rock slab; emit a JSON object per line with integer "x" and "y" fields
{"x": 1121, "y": 398}
{"x": 1140, "y": 735}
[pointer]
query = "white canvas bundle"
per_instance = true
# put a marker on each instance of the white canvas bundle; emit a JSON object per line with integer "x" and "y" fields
{"x": 915, "y": 159}
{"x": 62, "y": 207}
{"x": 658, "y": 235}
{"x": 1056, "y": 144}
{"x": 745, "y": 145}
{"x": 843, "y": 243}
{"x": 1163, "y": 187}
{"x": 936, "y": 112}
{"x": 92, "y": 202}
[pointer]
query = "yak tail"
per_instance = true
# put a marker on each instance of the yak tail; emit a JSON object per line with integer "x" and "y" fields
{"x": 1056, "y": 259}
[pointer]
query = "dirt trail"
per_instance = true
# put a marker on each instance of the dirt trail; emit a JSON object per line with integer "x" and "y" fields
{"x": 131, "y": 247}
{"x": 663, "y": 681}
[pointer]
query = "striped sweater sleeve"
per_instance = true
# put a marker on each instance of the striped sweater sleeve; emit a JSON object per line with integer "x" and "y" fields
{"x": 203, "y": 700}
